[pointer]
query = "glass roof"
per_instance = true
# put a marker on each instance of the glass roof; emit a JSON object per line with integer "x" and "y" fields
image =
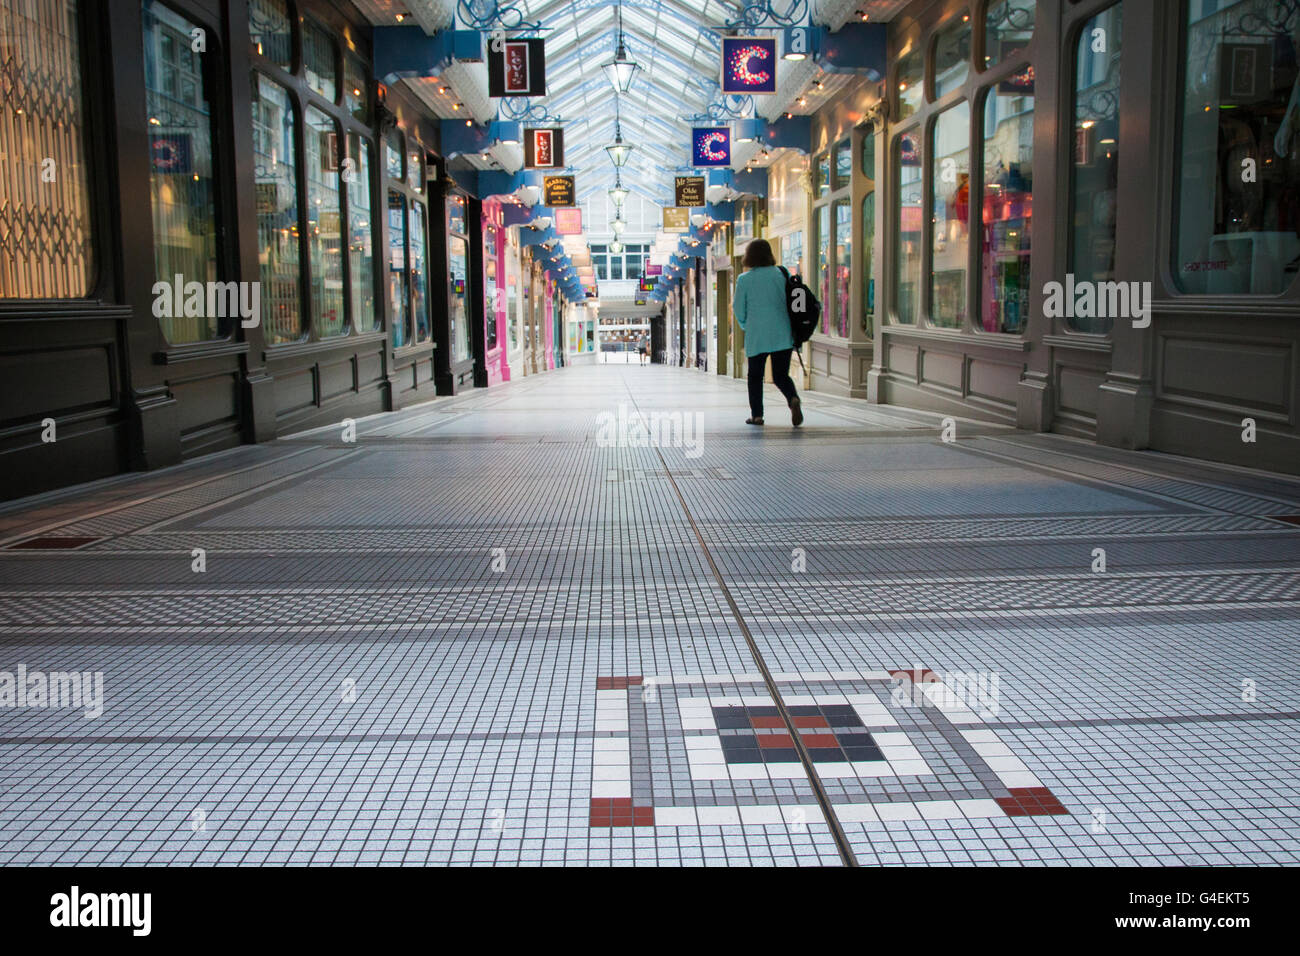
{"x": 679, "y": 58}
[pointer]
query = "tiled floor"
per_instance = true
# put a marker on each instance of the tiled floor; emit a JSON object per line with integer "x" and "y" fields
{"x": 509, "y": 627}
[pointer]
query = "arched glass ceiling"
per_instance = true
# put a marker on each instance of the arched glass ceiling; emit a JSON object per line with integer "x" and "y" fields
{"x": 679, "y": 63}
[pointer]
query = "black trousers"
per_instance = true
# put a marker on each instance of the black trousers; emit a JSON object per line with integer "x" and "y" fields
{"x": 780, "y": 377}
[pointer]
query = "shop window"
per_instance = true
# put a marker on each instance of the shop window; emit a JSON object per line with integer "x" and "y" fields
{"x": 1238, "y": 211}
{"x": 1007, "y": 209}
{"x": 491, "y": 291}
{"x": 908, "y": 157}
{"x": 868, "y": 232}
{"x": 393, "y": 164}
{"x": 398, "y": 278}
{"x": 456, "y": 214}
{"x": 843, "y": 164}
{"x": 361, "y": 243}
{"x": 271, "y": 31}
{"x": 792, "y": 253}
{"x": 1008, "y": 28}
{"x": 909, "y": 84}
{"x": 952, "y": 48}
{"x": 275, "y": 172}
{"x": 950, "y": 216}
{"x": 46, "y": 247}
{"x": 1095, "y": 164}
{"x": 458, "y": 263}
{"x": 324, "y": 224}
{"x": 415, "y": 169}
{"x": 319, "y": 60}
{"x": 182, "y": 183}
{"x": 600, "y": 261}
{"x": 843, "y": 265}
{"x": 356, "y": 90}
{"x": 823, "y": 180}
{"x": 419, "y": 277}
{"x": 822, "y": 275}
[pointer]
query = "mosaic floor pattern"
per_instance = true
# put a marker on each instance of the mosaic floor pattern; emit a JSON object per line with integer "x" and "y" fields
{"x": 537, "y": 625}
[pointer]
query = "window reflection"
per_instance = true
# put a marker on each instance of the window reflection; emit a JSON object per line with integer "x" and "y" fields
{"x": 324, "y": 224}
{"x": 398, "y": 287}
{"x": 182, "y": 184}
{"x": 365, "y": 315}
{"x": 1095, "y": 166}
{"x": 1239, "y": 234}
{"x": 276, "y": 176}
{"x": 908, "y": 157}
{"x": 1007, "y": 209}
{"x": 458, "y": 267}
{"x": 950, "y": 216}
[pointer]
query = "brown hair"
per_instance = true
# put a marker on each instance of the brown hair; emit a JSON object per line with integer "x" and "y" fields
{"x": 758, "y": 254}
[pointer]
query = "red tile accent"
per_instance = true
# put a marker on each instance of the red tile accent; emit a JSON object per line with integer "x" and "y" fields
{"x": 50, "y": 543}
{"x": 766, "y": 723}
{"x": 774, "y": 740}
{"x": 619, "y": 812}
{"x": 819, "y": 740}
{"x": 617, "y": 683}
{"x": 811, "y": 722}
{"x": 1032, "y": 802}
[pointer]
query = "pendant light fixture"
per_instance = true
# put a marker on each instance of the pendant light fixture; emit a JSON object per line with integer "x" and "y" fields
{"x": 618, "y": 150}
{"x": 618, "y": 194}
{"x": 622, "y": 68}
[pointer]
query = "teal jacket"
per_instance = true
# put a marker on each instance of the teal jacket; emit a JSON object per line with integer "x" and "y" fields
{"x": 761, "y": 311}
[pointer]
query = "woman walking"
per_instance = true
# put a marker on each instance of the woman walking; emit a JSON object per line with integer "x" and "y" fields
{"x": 760, "y": 309}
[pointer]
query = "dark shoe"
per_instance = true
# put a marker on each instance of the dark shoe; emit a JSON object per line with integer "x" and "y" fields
{"x": 754, "y": 421}
{"x": 796, "y": 412}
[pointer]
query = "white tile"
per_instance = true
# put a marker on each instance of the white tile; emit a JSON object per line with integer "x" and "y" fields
{"x": 939, "y": 809}
{"x": 709, "y": 772}
{"x": 611, "y": 788}
{"x": 611, "y": 773}
{"x": 1004, "y": 765}
{"x": 890, "y": 739}
{"x": 759, "y": 700}
{"x": 800, "y": 700}
{"x": 1020, "y": 779}
{"x": 897, "y": 811}
{"x": 761, "y": 816}
{"x": 981, "y": 808}
{"x": 980, "y": 736}
{"x": 698, "y": 723}
{"x": 611, "y": 724}
{"x": 675, "y": 816}
{"x": 856, "y": 812}
{"x": 611, "y": 758}
{"x": 803, "y": 813}
{"x": 873, "y": 768}
{"x": 834, "y": 770}
{"x": 703, "y": 743}
{"x": 748, "y": 771}
{"x": 718, "y": 816}
{"x": 618, "y": 744}
{"x": 786, "y": 771}
{"x": 832, "y": 699}
{"x": 993, "y": 750}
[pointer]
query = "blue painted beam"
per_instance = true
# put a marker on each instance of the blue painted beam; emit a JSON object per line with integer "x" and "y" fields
{"x": 854, "y": 48}
{"x": 409, "y": 51}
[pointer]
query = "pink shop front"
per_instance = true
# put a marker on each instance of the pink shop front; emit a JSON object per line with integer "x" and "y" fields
{"x": 500, "y": 295}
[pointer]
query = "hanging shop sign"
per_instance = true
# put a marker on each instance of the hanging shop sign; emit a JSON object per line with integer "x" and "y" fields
{"x": 559, "y": 191}
{"x": 568, "y": 222}
{"x": 171, "y": 154}
{"x": 908, "y": 154}
{"x": 654, "y": 270}
{"x": 543, "y": 148}
{"x": 676, "y": 219}
{"x": 689, "y": 191}
{"x": 516, "y": 67}
{"x": 640, "y": 300}
{"x": 748, "y": 65}
{"x": 647, "y": 285}
{"x": 711, "y": 146}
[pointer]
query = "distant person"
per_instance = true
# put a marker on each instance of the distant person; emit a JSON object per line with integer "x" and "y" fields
{"x": 645, "y": 354}
{"x": 760, "y": 310}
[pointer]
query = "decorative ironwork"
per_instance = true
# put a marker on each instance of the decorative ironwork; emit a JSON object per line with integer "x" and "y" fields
{"x": 493, "y": 15}
{"x": 522, "y": 109}
{"x": 762, "y": 13}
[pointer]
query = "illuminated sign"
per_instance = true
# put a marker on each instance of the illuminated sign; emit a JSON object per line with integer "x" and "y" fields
{"x": 543, "y": 148}
{"x": 516, "y": 67}
{"x": 748, "y": 65}
{"x": 711, "y": 146}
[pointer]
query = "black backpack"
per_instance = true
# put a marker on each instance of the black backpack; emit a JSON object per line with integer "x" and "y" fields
{"x": 804, "y": 309}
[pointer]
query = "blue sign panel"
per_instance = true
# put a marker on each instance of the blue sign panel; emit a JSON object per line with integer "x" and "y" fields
{"x": 711, "y": 146}
{"x": 748, "y": 65}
